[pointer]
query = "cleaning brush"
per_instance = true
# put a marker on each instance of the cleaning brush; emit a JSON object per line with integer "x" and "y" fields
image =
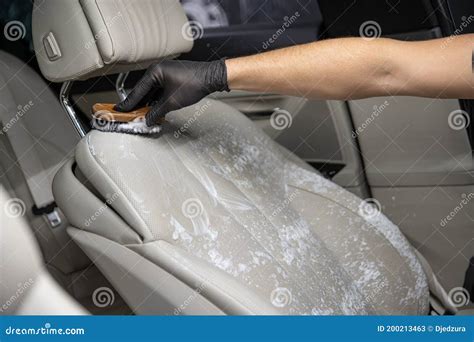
{"x": 106, "y": 119}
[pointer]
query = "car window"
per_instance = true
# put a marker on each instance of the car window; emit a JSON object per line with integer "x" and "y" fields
{"x": 227, "y": 13}
{"x": 231, "y": 28}
{"x": 15, "y": 20}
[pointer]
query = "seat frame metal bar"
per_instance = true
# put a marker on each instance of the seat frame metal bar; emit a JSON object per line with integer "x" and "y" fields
{"x": 67, "y": 106}
{"x": 120, "y": 85}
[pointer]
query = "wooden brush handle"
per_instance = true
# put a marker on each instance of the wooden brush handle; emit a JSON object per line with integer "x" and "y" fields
{"x": 106, "y": 111}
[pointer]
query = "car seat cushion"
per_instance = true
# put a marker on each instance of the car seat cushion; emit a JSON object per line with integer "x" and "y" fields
{"x": 219, "y": 192}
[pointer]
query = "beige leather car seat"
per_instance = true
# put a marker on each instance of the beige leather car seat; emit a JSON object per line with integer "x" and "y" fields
{"x": 36, "y": 139}
{"x": 33, "y": 121}
{"x": 211, "y": 216}
{"x": 26, "y": 287}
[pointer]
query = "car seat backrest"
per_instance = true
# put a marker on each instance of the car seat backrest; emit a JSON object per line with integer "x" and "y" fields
{"x": 27, "y": 288}
{"x": 35, "y": 126}
{"x": 78, "y": 39}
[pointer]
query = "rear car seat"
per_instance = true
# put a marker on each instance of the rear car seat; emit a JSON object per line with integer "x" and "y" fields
{"x": 27, "y": 287}
{"x": 36, "y": 139}
{"x": 33, "y": 121}
{"x": 211, "y": 216}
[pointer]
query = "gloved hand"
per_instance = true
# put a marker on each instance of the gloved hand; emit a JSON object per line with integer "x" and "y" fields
{"x": 173, "y": 85}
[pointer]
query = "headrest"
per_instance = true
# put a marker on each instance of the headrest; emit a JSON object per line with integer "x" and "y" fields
{"x": 78, "y": 39}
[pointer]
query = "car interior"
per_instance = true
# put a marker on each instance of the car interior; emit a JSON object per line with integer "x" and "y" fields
{"x": 345, "y": 210}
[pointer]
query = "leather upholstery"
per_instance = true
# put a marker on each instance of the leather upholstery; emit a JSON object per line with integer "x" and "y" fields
{"x": 78, "y": 39}
{"x": 40, "y": 134}
{"x": 27, "y": 288}
{"x": 213, "y": 200}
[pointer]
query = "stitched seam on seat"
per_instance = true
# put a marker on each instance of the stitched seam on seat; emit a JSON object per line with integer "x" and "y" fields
{"x": 277, "y": 260}
{"x": 164, "y": 35}
{"x": 356, "y": 214}
{"x": 371, "y": 302}
{"x": 406, "y": 263}
{"x": 160, "y": 25}
{"x": 108, "y": 33}
{"x": 130, "y": 31}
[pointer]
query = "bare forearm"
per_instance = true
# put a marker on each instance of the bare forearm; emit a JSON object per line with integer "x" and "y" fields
{"x": 352, "y": 68}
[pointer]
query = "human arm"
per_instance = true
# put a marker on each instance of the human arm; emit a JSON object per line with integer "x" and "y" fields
{"x": 345, "y": 68}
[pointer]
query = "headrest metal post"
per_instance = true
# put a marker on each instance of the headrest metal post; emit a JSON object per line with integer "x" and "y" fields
{"x": 120, "y": 86}
{"x": 66, "y": 103}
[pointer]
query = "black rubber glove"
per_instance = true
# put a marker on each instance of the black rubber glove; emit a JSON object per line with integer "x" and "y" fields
{"x": 172, "y": 85}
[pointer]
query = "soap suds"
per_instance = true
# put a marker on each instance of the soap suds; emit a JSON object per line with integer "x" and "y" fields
{"x": 251, "y": 228}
